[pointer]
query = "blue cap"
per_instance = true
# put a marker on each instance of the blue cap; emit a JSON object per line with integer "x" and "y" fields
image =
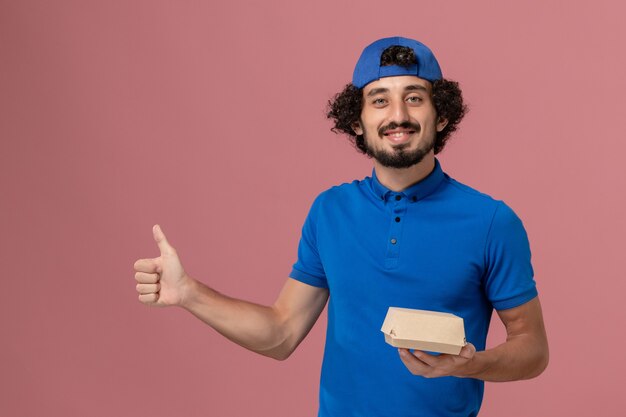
{"x": 368, "y": 67}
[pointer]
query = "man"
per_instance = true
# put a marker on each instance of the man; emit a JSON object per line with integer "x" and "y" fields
{"x": 408, "y": 236}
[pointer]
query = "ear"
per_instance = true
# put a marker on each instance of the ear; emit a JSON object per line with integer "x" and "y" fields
{"x": 356, "y": 128}
{"x": 441, "y": 123}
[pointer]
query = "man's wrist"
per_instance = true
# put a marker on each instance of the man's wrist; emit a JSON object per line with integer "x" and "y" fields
{"x": 188, "y": 292}
{"x": 476, "y": 366}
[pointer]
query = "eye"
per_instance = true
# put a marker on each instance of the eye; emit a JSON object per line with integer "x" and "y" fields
{"x": 379, "y": 102}
{"x": 414, "y": 99}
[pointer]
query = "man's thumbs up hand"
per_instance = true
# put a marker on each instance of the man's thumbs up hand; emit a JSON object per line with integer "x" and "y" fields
{"x": 161, "y": 281}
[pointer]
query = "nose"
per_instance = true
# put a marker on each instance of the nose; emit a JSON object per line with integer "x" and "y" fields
{"x": 399, "y": 112}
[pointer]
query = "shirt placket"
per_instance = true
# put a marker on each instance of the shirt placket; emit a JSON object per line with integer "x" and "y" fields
{"x": 397, "y": 209}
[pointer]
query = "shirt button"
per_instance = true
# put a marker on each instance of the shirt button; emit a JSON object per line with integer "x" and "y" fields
{"x": 397, "y": 219}
{"x": 394, "y": 241}
{"x": 398, "y": 198}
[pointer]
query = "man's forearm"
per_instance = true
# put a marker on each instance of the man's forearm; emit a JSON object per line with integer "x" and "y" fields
{"x": 524, "y": 355}
{"x": 253, "y": 326}
{"x": 520, "y": 357}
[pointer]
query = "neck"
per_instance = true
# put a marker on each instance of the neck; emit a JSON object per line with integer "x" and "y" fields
{"x": 399, "y": 179}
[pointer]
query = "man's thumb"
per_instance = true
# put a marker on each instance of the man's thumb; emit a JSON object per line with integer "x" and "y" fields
{"x": 160, "y": 239}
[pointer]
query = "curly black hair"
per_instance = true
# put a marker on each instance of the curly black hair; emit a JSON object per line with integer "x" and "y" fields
{"x": 345, "y": 107}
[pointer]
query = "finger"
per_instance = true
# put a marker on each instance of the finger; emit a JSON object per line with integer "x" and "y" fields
{"x": 145, "y": 278}
{"x": 416, "y": 366}
{"x": 148, "y": 288}
{"x": 146, "y": 265}
{"x": 149, "y": 298}
{"x": 161, "y": 240}
{"x": 430, "y": 360}
{"x": 468, "y": 351}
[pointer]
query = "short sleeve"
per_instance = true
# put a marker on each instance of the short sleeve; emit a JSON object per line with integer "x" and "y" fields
{"x": 509, "y": 278}
{"x": 308, "y": 268}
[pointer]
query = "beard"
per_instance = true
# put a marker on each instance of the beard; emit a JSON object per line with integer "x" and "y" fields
{"x": 399, "y": 157}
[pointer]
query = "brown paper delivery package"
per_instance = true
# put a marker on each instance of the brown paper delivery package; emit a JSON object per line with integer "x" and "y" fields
{"x": 431, "y": 331}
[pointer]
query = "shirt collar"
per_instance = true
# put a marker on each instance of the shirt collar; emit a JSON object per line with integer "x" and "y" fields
{"x": 415, "y": 192}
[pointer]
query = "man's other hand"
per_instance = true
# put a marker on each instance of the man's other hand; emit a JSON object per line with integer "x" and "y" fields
{"x": 433, "y": 366}
{"x": 161, "y": 281}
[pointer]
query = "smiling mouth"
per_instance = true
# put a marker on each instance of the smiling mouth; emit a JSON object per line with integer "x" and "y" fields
{"x": 399, "y": 133}
{"x": 398, "y": 136}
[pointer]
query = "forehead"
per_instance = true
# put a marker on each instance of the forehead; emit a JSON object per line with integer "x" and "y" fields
{"x": 395, "y": 84}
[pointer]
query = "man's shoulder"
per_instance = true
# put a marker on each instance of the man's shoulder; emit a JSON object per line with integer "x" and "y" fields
{"x": 345, "y": 189}
{"x": 343, "y": 193}
{"x": 469, "y": 199}
{"x": 470, "y": 194}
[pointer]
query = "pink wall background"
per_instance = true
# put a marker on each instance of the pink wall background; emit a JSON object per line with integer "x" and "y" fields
{"x": 207, "y": 118}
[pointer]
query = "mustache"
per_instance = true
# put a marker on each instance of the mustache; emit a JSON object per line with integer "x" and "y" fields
{"x": 404, "y": 125}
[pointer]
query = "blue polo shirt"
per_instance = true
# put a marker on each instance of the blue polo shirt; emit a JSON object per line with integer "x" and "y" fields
{"x": 438, "y": 245}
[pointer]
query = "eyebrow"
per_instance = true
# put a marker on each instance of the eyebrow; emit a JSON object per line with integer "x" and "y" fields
{"x": 412, "y": 87}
